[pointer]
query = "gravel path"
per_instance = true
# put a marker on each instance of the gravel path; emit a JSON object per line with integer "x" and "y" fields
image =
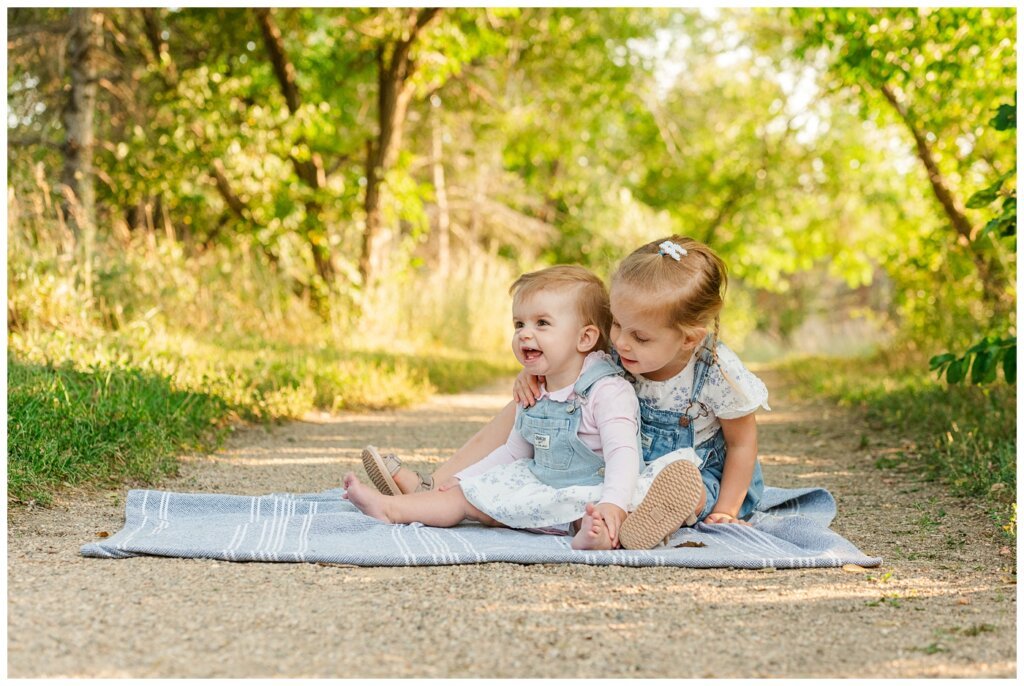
{"x": 943, "y": 604}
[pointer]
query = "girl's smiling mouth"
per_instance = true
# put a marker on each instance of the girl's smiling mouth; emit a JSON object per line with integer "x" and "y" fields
{"x": 531, "y": 354}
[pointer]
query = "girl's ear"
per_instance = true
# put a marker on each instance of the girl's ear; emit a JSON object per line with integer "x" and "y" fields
{"x": 693, "y": 337}
{"x": 589, "y": 336}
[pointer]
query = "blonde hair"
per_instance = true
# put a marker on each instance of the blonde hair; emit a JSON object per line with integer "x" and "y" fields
{"x": 591, "y": 295}
{"x": 689, "y": 292}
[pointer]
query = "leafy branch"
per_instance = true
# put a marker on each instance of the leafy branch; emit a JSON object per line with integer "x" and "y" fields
{"x": 983, "y": 358}
{"x": 981, "y": 361}
{"x": 1005, "y": 224}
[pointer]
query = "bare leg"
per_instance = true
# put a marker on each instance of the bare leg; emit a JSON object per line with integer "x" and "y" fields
{"x": 593, "y": 533}
{"x": 433, "y": 508}
{"x": 492, "y": 435}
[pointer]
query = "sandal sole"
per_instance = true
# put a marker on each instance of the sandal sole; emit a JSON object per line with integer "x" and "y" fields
{"x": 373, "y": 463}
{"x": 670, "y": 501}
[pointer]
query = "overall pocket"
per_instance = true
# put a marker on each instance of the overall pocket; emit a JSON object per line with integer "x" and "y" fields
{"x": 659, "y": 439}
{"x": 550, "y": 440}
{"x": 712, "y": 454}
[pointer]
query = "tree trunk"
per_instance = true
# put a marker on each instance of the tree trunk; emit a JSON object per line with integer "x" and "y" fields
{"x": 233, "y": 202}
{"x": 85, "y": 39}
{"x": 725, "y": 210}
{"x": 991, "y": 275}
{"x": 153, "y": 31}
{"x": 154, "y": 34}
{"x": 393, "y": 95}
{"x": 443, "y": 228}
{"x": 549, "y": 210}
{"x": 310, "y": 171}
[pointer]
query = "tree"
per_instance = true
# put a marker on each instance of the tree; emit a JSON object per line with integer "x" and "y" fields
{"x": 937, "y": 71}
{"x": 396, "y": 65}
{"x": 984, "y": 357}
{"x": 310, "y": 169}
{"x": 544, "y": 126}
{"x": 84, "y": 41}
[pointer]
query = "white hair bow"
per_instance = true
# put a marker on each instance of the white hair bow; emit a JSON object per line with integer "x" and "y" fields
{"x": 673, "y": 250}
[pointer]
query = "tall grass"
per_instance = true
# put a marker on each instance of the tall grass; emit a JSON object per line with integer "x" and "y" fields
{"x": 964, "y": 436}
{"x": 119, "y": 362}
{"x": 468, "y": 308}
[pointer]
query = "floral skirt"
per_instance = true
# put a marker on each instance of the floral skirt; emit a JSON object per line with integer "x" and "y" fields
{"x": 512, "y": 495}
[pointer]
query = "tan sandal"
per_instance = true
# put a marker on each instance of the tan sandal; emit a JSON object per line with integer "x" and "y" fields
{"x": 670, "y": 503}
{"x": 382, "y": 468}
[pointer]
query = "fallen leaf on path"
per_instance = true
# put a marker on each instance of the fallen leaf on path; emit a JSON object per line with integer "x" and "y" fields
{"x": 691, "y": 544}
{"x": 1005, "y": 550}
{"x": 102, "y": 534}
{"x": 853, "y": 568}
{"x": 963, "y": 601}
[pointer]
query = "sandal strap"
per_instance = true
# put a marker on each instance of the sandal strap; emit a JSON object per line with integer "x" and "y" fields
{"x": 391, "y": 462}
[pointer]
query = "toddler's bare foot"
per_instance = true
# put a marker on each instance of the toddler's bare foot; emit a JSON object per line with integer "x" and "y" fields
{"x": 593, "y": 533}
{"x": 367, "y": 499}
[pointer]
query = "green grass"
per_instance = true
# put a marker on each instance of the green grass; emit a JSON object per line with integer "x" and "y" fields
{"x": 964, "y": 436}
{"x": 67, "y": 427}
{"x": 119, "y": 407}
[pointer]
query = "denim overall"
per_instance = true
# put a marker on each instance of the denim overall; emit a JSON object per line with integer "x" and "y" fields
{"x": 560, "y": 458}
{"x": 662, "y": 432}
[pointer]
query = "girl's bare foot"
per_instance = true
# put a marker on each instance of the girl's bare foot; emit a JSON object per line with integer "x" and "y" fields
{"x": 593, "y": 533}
{"x": 366, "y": 499}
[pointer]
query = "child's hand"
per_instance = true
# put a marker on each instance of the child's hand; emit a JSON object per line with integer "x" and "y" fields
{"x": 450, "y": 483}
{"x": 526, "y": 389}
{"x": 613, "y": 517}
{"x": 724, "y": 518}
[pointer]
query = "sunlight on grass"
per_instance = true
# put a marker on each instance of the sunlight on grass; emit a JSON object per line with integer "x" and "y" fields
{"x": 90, "y": 365}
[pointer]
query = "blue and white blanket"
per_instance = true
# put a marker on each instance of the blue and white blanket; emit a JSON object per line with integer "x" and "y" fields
{"x": 790, "y": 531}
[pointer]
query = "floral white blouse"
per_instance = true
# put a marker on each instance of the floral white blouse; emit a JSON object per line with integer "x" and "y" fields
{"x": 724, "y": 400}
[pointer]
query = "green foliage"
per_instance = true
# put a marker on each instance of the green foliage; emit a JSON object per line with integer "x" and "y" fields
{"x": 964, "y": 436}
{"x": 121, "y": 407}
{"x": 570, "y": 135}
{"x": 982, "y": 359}
{"x": 264, "y": 364}
{"x": 1005, "y": 224}
{"x": 921, "y": 75}
{"x": 68, "y": 427}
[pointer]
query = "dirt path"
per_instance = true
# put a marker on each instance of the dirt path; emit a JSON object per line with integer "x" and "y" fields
{"x": 943, "y": 604}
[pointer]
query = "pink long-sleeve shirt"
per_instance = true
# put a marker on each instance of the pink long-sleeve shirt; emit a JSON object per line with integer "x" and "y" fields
{"x": 608, "y": 426}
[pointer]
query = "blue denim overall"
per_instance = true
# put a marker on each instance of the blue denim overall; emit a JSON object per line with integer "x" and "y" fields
{"x": 662, "y": 432}
{"x": 560, "y": 458}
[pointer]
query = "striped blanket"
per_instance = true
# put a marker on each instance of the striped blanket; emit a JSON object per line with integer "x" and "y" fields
{"x": 791, "y": 530}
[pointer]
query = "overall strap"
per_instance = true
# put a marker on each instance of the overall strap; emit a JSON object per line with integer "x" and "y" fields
{"x": 600, "y": 369}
